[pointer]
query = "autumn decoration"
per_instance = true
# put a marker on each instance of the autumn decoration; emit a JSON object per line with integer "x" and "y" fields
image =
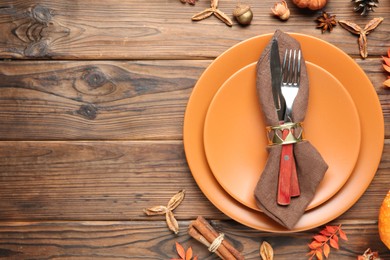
{"x": 386, "y": 66}
{"x": 324, "y": 240}
{"x": 365, "y": 6}
{"x": 184, "y": 254}
{"x": 369, "y": 255}
{"x": 173, "y": 203}
{"x": 266, "y": 251}
{"x": 384, "y": 221}
{"x": 326, "y": 22}
{"x": 243, "y": 14}
{"x": 362, "y": 32}
{"x": 311, "y": 4}
{"x": 213, "y": 10}
{"x": 281, "y": 10}
{"x": 191, "y": 2}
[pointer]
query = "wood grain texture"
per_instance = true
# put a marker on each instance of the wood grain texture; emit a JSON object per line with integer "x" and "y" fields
{"x": 106, "y": 100}
{"x": 135, "y": 29}
{"x": 152, "y": 240}
{"x": 116, "y": 180}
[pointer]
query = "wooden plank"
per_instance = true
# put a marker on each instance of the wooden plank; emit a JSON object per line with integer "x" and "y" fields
{"x": 116, "y": 180}
{"x": 140, "y": 240}
{"x": 135, "y": 29}
{"x": 88, "y": 100}
{"x": 95, "y": 100}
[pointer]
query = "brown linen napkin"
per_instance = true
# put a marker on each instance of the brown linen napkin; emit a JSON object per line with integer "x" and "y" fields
{"x": 310, "y": 165}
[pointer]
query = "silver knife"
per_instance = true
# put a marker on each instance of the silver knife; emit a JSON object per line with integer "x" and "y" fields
{"x": 276, "y": 76}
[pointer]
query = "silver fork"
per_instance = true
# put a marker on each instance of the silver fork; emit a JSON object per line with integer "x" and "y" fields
{"x": 291, "y": 71}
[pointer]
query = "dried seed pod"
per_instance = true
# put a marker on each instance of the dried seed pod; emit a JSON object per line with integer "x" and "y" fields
{"x": 176, "y": 200}
{"x": 281, "y": 10}
{"x": 172, "y": 222}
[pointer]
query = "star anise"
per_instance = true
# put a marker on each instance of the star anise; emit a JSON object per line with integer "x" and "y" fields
{"x": 191, "y": 2}
{"x": 326, "y": 21}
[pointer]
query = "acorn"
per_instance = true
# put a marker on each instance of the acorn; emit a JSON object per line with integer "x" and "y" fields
{"x": 243, "y": 14}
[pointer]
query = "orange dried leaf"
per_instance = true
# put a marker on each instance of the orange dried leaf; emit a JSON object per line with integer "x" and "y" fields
{"x": 320, "y": 238}
{"x": 326, "y": 250}
{"x": 315, "y": 244}
{"x": 333, "y": 243}
{"x": 331, "y": 229}
{"x": 195, "y": 257}
{"x": 319, "y": 254}
{"x": 325, "y": 232}
{"x": 387, "y": 60}
{"x": 387, "y": 68}
{"x": 387, "y": 83}
{"x": 189, "y": 253}
{"x": 343, "y": 235}
{"x": 388, "y": 52}
{"x": 180, "y": 251}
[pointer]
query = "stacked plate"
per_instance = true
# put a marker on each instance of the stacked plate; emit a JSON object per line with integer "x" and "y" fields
{"x": 225, "y": 139}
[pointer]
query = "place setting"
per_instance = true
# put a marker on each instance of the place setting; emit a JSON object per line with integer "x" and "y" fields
{"x": 279, "y": 136}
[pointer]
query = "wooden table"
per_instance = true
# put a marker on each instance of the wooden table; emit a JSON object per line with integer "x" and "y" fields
{"x": 92, "y": 100}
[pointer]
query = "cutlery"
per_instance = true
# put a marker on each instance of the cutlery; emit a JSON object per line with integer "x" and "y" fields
{"x": 288, "y": 181}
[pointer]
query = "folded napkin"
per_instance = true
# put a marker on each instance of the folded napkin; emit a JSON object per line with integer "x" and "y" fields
{"x": 309, "y": 163}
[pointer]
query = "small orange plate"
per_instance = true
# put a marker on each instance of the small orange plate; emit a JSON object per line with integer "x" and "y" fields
{"x": 235, "y": 137}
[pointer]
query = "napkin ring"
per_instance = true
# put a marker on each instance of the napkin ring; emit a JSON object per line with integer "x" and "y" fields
{"x": 275, "y": 133}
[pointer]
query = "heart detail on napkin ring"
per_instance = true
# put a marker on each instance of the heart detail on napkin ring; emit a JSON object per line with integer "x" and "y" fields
{"x": 294, "y": 133}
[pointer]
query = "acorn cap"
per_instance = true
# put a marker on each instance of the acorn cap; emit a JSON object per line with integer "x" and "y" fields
{"x": 240, "y": 10}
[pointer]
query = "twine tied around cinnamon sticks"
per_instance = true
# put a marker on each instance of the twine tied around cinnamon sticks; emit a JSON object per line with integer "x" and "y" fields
{"x": 203, "y": 232}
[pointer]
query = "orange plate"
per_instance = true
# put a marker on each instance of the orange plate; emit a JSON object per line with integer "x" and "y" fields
{"x": 235, "y": 137}
{"x": 341, "y": 66}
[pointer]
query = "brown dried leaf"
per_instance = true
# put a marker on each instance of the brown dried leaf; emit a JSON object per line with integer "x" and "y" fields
{"x": 223, "y": 17}
{"x": 176, "y": 200}
{"x": 350, "y": 26}
{"x": 371, "y": 25}
{"x": 266, "y": 251}
{"x": 157, "y": 210}
{"x": 203, "y": 15}
{"x": 172, "y": 222}
{"x": 214, "y": 4}
{"x": 363, "y": 45}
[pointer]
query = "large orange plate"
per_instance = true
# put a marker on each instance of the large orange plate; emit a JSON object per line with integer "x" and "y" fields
{"x": 235, "y": 137}
{"x": 341, "y": 66}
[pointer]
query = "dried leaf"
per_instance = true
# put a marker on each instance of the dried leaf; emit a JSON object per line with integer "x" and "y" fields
{"x": 326, "y": 250}
{"x": 315, "y": 244}
{"x": 363, "y": 46}
{"x": 333, "y": 243}
{"x": 266, "y": 251}
{"x": 319, "y": 254}
{"x": 350, "y": 26}
{"x": 180, "y": 250}
{"x": 387, "y": 68}
{"x": 320, "y": 238}
{"x": 157, "y": 210}
{"x": 343, "y": 235}
{"x": 223, "y": 17}
{"x": 320, "y": 247}
{"x": 387, "y": 60}
{"x": 189, "y": 253}
{"x": 172, "y": 222}
{"x": 371, "y": 25}
{"x": 387, "y": 83}
{"x": 203, "y": 15}
{"x": 176, "y": 200}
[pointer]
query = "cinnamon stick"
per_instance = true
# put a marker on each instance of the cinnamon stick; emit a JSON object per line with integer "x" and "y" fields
{"x": 226, "y": 250}
{"x": 198, "y": 236}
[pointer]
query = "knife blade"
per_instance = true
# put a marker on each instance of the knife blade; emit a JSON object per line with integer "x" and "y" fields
{"x": 276, "y": 75}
